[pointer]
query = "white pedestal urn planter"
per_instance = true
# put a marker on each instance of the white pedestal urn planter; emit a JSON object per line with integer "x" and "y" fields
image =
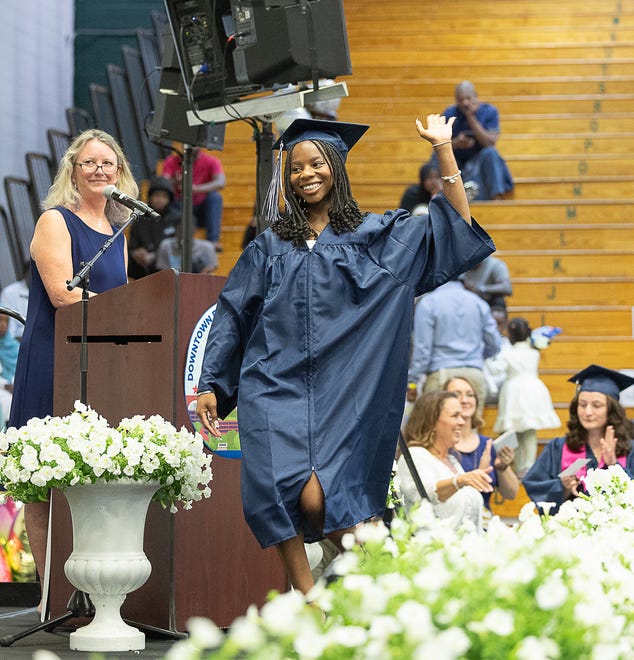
{"x": 107, "y": 561}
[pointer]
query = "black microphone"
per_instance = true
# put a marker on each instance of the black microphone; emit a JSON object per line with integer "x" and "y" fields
{"x": 110, "y": 192}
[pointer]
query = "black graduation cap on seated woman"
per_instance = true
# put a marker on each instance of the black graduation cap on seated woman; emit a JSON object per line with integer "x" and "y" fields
{"x": 599, "y": 379}
{"x": 341, "y": 135}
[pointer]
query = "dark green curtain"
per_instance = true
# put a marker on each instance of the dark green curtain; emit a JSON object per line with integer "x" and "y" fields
{"x": 101, "y": 28}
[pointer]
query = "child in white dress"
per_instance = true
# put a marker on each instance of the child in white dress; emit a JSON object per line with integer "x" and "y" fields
{"x": 524, "y": 404}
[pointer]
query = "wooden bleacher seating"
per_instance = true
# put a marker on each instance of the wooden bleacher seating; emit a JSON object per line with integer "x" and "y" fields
{"x": 561, "y": 75}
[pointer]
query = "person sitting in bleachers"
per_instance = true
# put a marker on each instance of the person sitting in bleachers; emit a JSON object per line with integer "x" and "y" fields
{"x": 476, "y": 450}
{"x": 146, "y": 236}
{"x": 491, "y": 280}
{"x": 170, "y": 254}
{"x": 454, "y": 331}
{"x": 475, "y": 132}
{"x": 15, "y": 296}
{"x": 9, "y": 346}
{"x": 434, "y": 428}
{"x": 599, "y": 435}
{"x": 429, "y": 184}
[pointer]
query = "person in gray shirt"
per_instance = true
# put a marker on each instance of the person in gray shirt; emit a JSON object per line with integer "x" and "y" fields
{"x": 491, "y": 280}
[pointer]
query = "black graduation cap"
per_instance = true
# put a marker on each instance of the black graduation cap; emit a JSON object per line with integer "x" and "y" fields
{"x": 599, "y": 379}
{"x": 341, "y": 135}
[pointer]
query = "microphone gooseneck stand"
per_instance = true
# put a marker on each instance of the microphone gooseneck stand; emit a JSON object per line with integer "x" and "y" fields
{"x": 79, "y": 605}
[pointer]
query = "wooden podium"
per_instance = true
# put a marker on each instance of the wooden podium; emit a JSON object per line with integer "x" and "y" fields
{"x": 205, "y": 562}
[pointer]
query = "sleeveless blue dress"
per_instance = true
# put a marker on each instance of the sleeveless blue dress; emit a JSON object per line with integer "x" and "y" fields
{"x": 33, "y": 384}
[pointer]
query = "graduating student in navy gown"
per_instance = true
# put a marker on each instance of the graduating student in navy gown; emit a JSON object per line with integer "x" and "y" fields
{"x": 311, "y": 338}
{"x": 598, "y": 430}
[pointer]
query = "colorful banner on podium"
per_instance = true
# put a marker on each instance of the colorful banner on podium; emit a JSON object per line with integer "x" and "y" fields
{"x": 229, "y": 444}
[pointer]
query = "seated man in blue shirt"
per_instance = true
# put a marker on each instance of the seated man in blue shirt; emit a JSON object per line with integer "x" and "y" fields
{"x": 475, "y": 133}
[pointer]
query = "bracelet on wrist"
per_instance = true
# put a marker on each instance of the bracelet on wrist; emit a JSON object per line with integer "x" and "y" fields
{"x": 204, "y": 392}
{"x": 455, "y": 483}
{"x": 440, "y": 144}
{"x": 452, "y": 178}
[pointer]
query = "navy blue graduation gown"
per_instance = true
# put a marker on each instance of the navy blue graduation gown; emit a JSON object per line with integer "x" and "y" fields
{"x": 542, "y": 483}
{"x": 313, "y": 347}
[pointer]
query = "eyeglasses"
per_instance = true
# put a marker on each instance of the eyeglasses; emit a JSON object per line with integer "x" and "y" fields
{"x": 90, "y": 167}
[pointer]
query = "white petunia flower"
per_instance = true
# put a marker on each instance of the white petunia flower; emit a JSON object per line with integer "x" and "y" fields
{"x": 416, "y": 620}
{"x": 203, "y": 633}
{"x": 311, "y": 644}
{"x": 500, "y": 622}
{"x": 346, "y": 563}
{"x": 372, "y": 533}
{"x": 246, "y": 633}
{"x": 45, "y": 655}
{"x": 383, "y": 627}
{"x": 347, "y": 636}
{"x": 280, "y": 614}
{"x": 448, "y": 645}
{"x": 533, "y": 648}
{"x": 552, "y": 594}
{"x": 394, "y": 583}
{"x": 527, "y": 511}
{"x": 546, "y": 507}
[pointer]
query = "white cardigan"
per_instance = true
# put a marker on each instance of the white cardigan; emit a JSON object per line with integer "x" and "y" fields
{"x": 465, "y": 505}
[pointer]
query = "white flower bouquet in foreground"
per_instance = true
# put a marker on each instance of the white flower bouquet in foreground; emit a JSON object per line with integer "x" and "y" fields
{"x": 81, "y": 448}
{"x": 549, "y": 587}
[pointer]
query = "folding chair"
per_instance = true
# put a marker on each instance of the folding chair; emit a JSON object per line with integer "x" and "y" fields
{"x": 139, "y": 85}
{"x": 126, "y": 120}
{"x": 8, "y": 253}
{"x": 103, "y": 109}
{"x": 22, "y": 213}
{"x": 79, "y": 120}
{"x": 58, "y": 142}
{"x": 39, "y": 169}
{"x": 159, "y": 20}
{"x": 150, "y": 51}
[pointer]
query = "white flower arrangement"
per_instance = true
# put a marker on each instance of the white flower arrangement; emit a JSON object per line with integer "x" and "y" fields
{"x": 81, "y": 448}
{"x": 549, "y": 587}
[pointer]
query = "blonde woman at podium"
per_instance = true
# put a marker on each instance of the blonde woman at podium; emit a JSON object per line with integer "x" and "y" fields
{"x": 311, "y": 338}
{"x": 76, "y": 222}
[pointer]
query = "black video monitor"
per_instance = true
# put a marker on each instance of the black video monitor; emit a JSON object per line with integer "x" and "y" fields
{"x": 204, "y": 52}
{"x": 230, "y": 49}
{"x": 289, "y": 42}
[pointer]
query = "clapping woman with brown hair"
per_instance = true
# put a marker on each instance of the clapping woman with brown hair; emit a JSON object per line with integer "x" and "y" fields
{"x": 433, "y": 430}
